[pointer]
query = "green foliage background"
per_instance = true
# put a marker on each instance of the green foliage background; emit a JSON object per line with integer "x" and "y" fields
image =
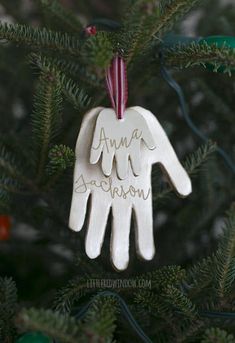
{"x": 51, "y": 73}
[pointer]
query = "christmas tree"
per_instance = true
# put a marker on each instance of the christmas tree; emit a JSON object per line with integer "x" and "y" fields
{"x": 53, "y": 58}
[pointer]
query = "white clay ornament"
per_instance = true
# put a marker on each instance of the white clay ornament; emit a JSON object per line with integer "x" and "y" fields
{"x": 115, "y": 151}
{"x": 113, "y": 167}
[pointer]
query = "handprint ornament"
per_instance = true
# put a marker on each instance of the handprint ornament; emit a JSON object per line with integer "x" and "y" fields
{"x": 125, "y": 187}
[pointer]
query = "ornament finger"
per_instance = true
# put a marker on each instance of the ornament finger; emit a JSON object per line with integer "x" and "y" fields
{"x": 120, "y": 235}
{"x": 176, "y": 174}
{"x": 144, "y": 229}
{"x": 78, "y": 210}
{"x": 97, "y": 224}
{"x": 107, "y": 163}
{"x": 147, "y": 137}
{"x": 95, "y": 154}
{"x": 122, "y": 164}
{"x": 97, "y": 144}
{"x": 135, "y": 160}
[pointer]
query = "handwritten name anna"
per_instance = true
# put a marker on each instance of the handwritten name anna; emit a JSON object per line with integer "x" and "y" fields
{"x": 107, "y": 186}
{"x": 123, "y": 142}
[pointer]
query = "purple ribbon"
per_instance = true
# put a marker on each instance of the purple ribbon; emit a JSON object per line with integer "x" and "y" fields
{"x": 116, "y": 81}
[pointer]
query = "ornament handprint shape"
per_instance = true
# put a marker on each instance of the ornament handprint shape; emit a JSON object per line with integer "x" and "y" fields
{"x": 120, "y": 141}
{"x": 122, "y": 197}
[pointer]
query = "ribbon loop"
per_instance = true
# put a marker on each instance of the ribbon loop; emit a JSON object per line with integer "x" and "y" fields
{"x": 116, "y": 81}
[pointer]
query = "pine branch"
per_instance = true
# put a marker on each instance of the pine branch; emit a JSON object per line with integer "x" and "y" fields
{"x": 195, "y": 162}
{"x": 172, "y": 11}
{"x": 148, "y": 21}
{"x": 63, "y": 328}
{"x": 165, "y": 292}
{"x": 46, "y": 117}
{"x": 72, "y": 68}
{"x": 162, "y": 277}
{"x": 168, "y": 304}
{"x": 182, "y": 56}
{"x": 78, "y": 287}
{"x": 71, "y": 293}
{"x": 160, "y": 306}
{"x": 180, "y": 301}
{"x": 37, "y": 38}
{"x": 8, "y": 300}
{"x": 99, "y": 323}
{"x": 139, "y": 20}
{"x": 200, "y": 276}
{"x": 191, "y": 329}
{"x": 100, "y": 319}
{"x": 224, "y": 260}
{"x": 216, "y": 335}
{"x": 61, "y": 157}
{"x": 62, "y": 15}
{"x": 157, "y": 308}
{"x": 193, "y": 165}
{"x": 76, "y": 96}
{"x": 155, "y": 304}
{"x": 216, "y": 273}
{"x": 98, "y": 51}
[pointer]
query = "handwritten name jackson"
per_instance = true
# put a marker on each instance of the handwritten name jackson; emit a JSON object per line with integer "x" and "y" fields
{"x": 107, "y": 186}
{"x": 123, "y": 142}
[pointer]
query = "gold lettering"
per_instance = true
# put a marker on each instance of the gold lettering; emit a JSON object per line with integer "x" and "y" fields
{"x": 82, "y": 187}
{"x": 106, "y": 186}
{"x": 135, "y": 134}
{"x": 141, "y": 194}
{"x": 123, "y": 142}
{"x": 102, "y": 141}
